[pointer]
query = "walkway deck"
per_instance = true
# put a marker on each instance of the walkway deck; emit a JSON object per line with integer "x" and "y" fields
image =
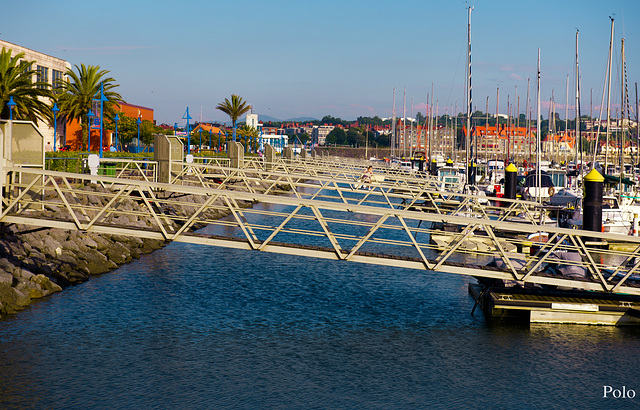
{"x": 327, "y": 217}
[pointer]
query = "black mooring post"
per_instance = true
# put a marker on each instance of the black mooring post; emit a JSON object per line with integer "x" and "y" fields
{"x": 510, "y": 181}
{"x": 592, "y": 202}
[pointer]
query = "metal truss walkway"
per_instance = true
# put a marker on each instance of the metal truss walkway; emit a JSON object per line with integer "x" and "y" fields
{"x": 327, "y": 214}
{"x": 319, "y": 180}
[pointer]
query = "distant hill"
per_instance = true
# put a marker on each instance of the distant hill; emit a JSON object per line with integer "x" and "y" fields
{"x": 266, "y": 118}
{"x": 302, "y": 119}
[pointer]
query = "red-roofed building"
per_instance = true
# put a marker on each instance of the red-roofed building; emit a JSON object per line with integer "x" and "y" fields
{"x": 511, "y": 140}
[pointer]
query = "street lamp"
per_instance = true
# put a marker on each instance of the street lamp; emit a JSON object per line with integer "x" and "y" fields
{"x": 11, "y": 104}
{"x": 138, "y": 144}
{"x": 55, "y": 110}
{"x": 116, "y": 119}
{"x": 102, "y": 100}
{"x": 89, "y": 115}
{"x": 187, "y": 117}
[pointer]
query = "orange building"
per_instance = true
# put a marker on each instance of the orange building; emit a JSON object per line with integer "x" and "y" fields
{"x": 73, "y": 134}
{"x": 209, "y": 130}
{"x": 517, "y": 140}
{"x": 208, "y": 127}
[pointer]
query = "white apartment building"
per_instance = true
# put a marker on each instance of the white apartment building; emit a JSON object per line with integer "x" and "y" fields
{"x": 49, "y": 69}
{"x": 319, "y": 134}
{"x": 252, "y": 120}
{"x": 277, "y": 141}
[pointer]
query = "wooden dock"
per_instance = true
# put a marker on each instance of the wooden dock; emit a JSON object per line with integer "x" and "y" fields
{"x": 556, "y": 306}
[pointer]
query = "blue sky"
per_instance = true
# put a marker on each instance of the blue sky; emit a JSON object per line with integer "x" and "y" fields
{"x": 341, "y": 58}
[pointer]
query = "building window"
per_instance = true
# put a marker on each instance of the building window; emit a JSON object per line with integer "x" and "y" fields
{"x": 27, "y": 68}
{"x": 42, "y": 75}
{"x": 56, "y": 78}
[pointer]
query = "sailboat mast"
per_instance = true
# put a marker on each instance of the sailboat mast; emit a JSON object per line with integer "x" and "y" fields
{"x": 425, "y": 127}
{"x": 550, "y": 134}
{"x": 622, "y": 112}
{"x": 393, "y": 124}
{"x": 486, "y": 136}
{"x": 469, "y": 98}
{"x": 590, "y": 115}
{"x": 528, "y": 114}
{"x": 427, "y": 123}
{"x": 577, "y": 139}
{"x": 538, "y": 174}
{"x": 411, "y": 134}
{"x": 515, "y": 132}
{"x": 566, "y": 122}
{"x": 497, "y": 136}
{"x": 528, "y": 133}
{"x": 508, "y": 131}
{"x": 435, "y": 141}
{"x": 404, "y": 123}
{"x": 606, "y": 153}
{"x": 514, "y": 122}
{"x": 637, "y": 117}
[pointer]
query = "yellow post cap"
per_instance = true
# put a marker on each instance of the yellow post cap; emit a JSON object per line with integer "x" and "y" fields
{"x": 511, "y": 168}
{"x": 594, "y": 176}
{"x": 433, "y": 160}
{"x": 449, "y": 161}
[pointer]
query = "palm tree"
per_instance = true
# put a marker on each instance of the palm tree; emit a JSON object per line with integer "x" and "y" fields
{"x": 16, "y": 80}
{"x": 76, "y": 95}
{"x": 247, "y": 132}
{"x": 234, "y": 109}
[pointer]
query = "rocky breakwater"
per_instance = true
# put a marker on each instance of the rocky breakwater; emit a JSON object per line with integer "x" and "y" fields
{"x": 36, "y": 262}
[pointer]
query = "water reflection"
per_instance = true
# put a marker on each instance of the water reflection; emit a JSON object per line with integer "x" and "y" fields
{"x": 203, "y": 327}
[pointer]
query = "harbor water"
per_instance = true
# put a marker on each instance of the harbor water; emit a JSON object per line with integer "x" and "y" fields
{"x": 192, "y": 326}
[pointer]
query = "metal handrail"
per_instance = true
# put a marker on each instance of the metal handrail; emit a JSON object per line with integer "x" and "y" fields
{"x": 303, "y": 225}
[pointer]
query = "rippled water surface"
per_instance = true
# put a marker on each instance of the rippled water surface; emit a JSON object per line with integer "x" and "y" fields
{"x": 200, "y": 327}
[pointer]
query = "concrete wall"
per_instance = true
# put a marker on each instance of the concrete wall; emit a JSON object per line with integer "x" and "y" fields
{"x": 49, "y": 62}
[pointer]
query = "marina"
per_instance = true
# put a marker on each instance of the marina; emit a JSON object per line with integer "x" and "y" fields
{"x": 318, "y": 208}
{"x": 355, "y": 209}
{"x": 190, "y": 326}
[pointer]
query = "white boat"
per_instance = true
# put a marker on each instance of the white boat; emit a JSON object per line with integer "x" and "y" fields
{"x": 615, "y": 218}
{"x": 450, "y": 180}
{"x": 405, "y": 166}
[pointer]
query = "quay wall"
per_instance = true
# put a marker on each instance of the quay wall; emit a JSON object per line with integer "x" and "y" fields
{"x": 36, "y": 262}
{"x": 348, "y": 152}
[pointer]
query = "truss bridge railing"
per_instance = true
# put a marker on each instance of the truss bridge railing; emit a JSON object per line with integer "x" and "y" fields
{"x": 304, "y": 180}
{"x": 309, "y": 226}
